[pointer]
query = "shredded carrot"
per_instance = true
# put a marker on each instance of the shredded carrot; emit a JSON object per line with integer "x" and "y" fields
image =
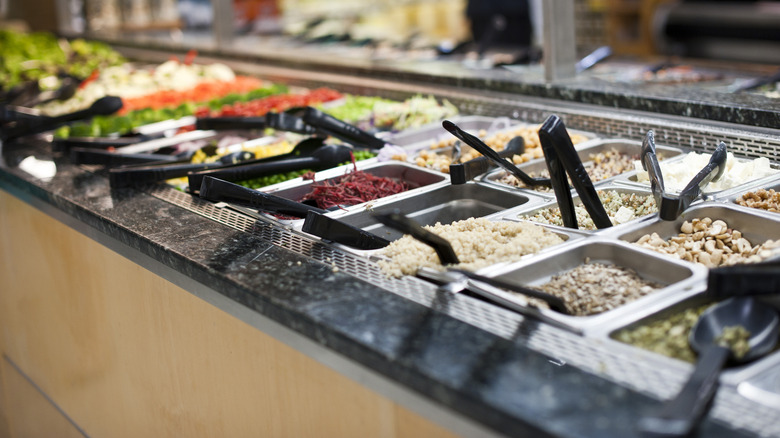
{"x": 202, "y": 92}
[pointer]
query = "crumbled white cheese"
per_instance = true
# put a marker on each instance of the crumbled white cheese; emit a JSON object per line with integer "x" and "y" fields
{"x": 677, "y": 174}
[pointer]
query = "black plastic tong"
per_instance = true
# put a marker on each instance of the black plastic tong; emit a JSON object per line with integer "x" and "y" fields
{"x": 283, "y": 121}
{"x": 562, "y": 158}
{"x": 743, "y": 280}
{"x": 315, "y": 221}
{"x": 329, "y": 125}
{"x": 461, "y": 173}
{"x": 34, "y": 125}
{"x": 491, "y": 153}
{"x": 671, "y": 207}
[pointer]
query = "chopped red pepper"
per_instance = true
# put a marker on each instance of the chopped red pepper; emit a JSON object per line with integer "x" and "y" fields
{"x": 92, "y": 77}
{"x": 190, "y": 57}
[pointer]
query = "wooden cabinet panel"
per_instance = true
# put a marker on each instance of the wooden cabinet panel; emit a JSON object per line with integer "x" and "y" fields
{"x": 29, "y": 413}
{"x": 126, "y": 353}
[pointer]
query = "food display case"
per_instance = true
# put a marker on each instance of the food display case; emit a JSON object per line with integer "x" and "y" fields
{"x": 167, "y": 311}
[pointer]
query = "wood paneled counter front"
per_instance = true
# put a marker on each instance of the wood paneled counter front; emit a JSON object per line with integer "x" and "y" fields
{"x": 94, "y": 344}
{"x": 123, "y": 314}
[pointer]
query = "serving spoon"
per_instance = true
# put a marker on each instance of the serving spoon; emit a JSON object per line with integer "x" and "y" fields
{"x": 447, "y": 256}
{"x": 679, "y": 416}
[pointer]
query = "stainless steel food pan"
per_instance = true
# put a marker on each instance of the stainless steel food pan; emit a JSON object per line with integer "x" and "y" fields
{"x": 762, "y": 375}
{"x": 678, "y": 280}
{"x": 754, "y": 226}
{"x": 630, "y": 178}
{"x": 445, "y": 204}
{"x": 732, "y": 197}
{"x": 586, "y": 151}
{"x": 530, "y": 210}
{"x": 416, "y": 177}
{"x": 421, "y": 138}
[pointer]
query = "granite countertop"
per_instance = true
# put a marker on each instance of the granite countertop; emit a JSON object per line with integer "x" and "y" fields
{"x": 498, "y": 382}
{"x": 607, "y": 84}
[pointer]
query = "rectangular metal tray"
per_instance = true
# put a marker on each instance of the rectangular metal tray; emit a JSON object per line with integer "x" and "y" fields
{"x": 585, "y": 151}
{"x": 516, "y": 125}
{"x": 421, "y": 138}
{"x": 630, "y": 178}
{"x": 444, "y": 204}
{"x": 679, "y": 279}
{"x": 420, "y": 179}
{"x": 516, "y": 213}
{"x": 415, "y": 176}
{"x": 732, "y": 197}
{"x": 755, "y": 226}
{"x": 762, "y": 374}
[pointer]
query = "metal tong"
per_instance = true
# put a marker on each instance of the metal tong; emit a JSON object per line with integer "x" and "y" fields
{"x": 562, "y": 158}
{"x": 447, "y": 256}
{"x": 457, "y": 280}
{"x": 671, "y": 207}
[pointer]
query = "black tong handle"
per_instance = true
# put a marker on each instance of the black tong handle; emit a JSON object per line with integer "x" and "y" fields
{"x": 223, "y": 123}
{"x": 400, "y": 222}
{"x": 332, "y": 126}
{"x": 755, "y": 279}
{"x": 328, "y": 228}
{"x": 281, "y": 121}
{"x": 218, "y": 190}
{"x": 492, "y": 154}
{"x": 100, "y": 156}
{"x": 560, "y": 155}
{"x": 126, "y": 177}
{"x": 461, "y": 173}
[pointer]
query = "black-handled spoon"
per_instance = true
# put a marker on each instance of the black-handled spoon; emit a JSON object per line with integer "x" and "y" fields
{"x": 398, "y": 221}
{"x": 679, "y": 416}
{"x": 554, "y": 302}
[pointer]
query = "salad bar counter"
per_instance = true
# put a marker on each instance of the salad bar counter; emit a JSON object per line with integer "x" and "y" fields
{"x": 525, "y": 307}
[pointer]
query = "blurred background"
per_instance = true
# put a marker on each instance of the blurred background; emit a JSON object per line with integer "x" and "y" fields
{"x": 416, "y": 29}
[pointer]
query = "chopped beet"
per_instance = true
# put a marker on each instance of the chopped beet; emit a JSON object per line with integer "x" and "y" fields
{"x": 353, "y": 188}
